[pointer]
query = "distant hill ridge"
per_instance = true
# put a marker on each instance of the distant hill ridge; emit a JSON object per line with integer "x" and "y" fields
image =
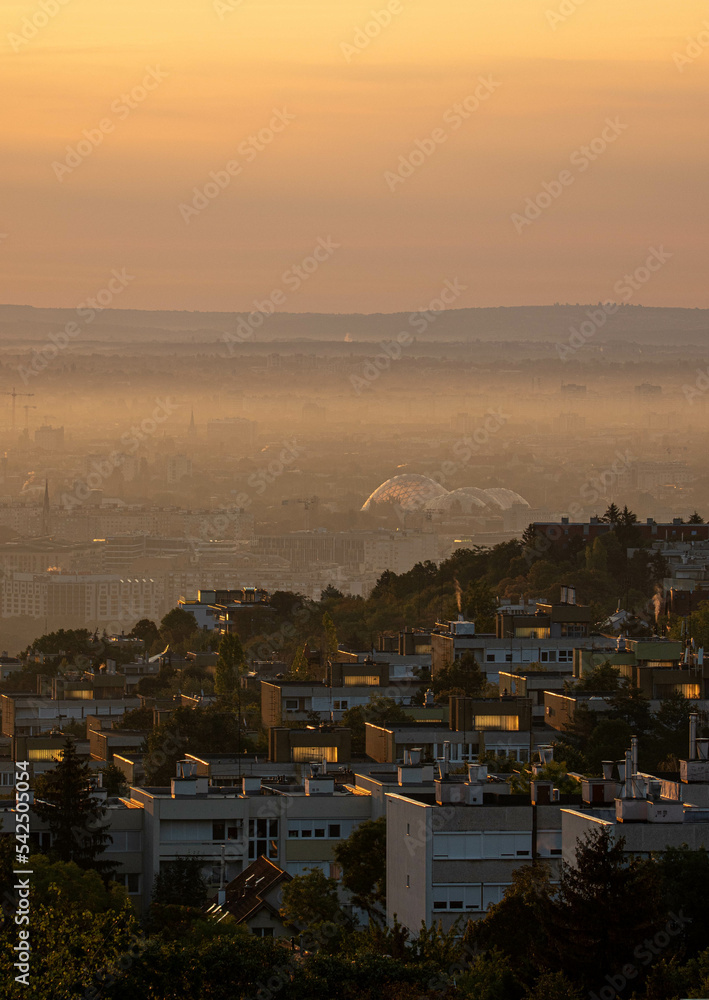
{"x": 651, "y": 325}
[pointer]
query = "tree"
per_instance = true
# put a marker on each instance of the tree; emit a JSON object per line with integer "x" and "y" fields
{"x": 148, "y": 631}
{"x": 514, "y": 925}
{"x": 331, "y": 644}
{"x": 310, "y": 903}
{"x": 668, "y": 740}
{"x": 685, "y": 880}
{"x": 627, "y": 517}
{"x": 363, "y": 860}
{"x": 463, "y": 676}
{"x": 602, "y": 678}
{"x": 114, "y": 780}
{"x": 300, "y": 668}
{"x": 331, "y": 593}
{"x": 611, "y": 516}
{"x": 381, "y": 711}
{"x": 65, "y": 800}
{"x": 180, "y": 882}
{"x": 61, "y": 884}
{"x": 70, "y": 947}
{"x": 177, "y": 626}
{"x": 605, "y": 904}
{"x": 71, "y": 642}
{"x": 608, "y": 741}
{"x": 695, "y": 518}
{"x": 138, "y": 718}
{"x": 190, "y": 730}
{"x": 481, "y": 606}
{"x": 231, "y": 664}
{"x": 553, "y": 986}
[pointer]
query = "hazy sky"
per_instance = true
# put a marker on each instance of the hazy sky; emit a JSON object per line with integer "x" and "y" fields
{"x": 349, "y": 107}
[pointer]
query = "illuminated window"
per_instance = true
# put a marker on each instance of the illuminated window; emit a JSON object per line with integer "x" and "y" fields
{"x": 506, "y": 723}
{"x": 301, "y": 755}
{"x": 532, "y": 633}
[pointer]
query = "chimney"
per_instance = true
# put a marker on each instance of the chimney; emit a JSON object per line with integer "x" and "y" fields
{"x": 693, "y": 735}
{"x": 634, "y": 751}
{"x": 629, "y": 789}
{"x": 607, "y": 766}
{"x": 250, "y": 785}
{"x": 703, "y": 749}
{"x": 412, "y": 756}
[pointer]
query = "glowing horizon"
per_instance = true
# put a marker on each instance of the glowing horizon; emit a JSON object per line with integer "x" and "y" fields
{"x": 352, "y": 160}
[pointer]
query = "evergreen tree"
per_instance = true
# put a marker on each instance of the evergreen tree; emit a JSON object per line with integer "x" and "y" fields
{"x": 300, "y": 668}
{"x": 230, "y": 666}
{"x": 612, "y": 515}
{"x": 180, "y": 882}
{"x": 331, "y": 644}
{"x": 64, "y": 799}
{"x": 695, "y": 518}
{"x": 605, "y": 905}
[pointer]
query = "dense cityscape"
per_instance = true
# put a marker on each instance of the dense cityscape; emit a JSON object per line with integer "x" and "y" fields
{"x": 354, "y": 502}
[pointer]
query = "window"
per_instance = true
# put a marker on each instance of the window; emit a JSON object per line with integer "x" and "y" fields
{"x": 125, "y": 840}
{"x": 130, "y": 881}
{"x": 457, "y": 897}
{"x": 490, "y": 658}
{"x": 549, "y": 843}
{"x": 263, "y": 838}
{"x": 335, "y": 871}
{"x": 262, "y": 931}
{"x": 493, "y": 893}
{"x": 291, "y": 704}
{"x": 301, "y": 755}
{"x": 340, "y": 706}
{"x": 507, "y": 723}
{"x": 475, "y": 845}
{"x": 532, "y": 633}
{"x": 319, "y": 829}
{"x": 548, "y": 656}
{"x": 573, "y": 630}
{"x": 566, "y": 656}
{"x": 218, "y": 830}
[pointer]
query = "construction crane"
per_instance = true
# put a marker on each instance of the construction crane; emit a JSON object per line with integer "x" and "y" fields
{"x": 27, "y": 407}
{"x": 307, "y": 503}
{"x": 14, "y": 395}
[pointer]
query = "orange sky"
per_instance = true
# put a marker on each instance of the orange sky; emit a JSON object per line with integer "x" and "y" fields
{"x": 351, "y": 114}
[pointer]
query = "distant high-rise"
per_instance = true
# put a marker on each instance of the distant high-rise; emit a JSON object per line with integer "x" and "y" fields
{"x": 49, "y": 438}
{"x": 45, "y": 509}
